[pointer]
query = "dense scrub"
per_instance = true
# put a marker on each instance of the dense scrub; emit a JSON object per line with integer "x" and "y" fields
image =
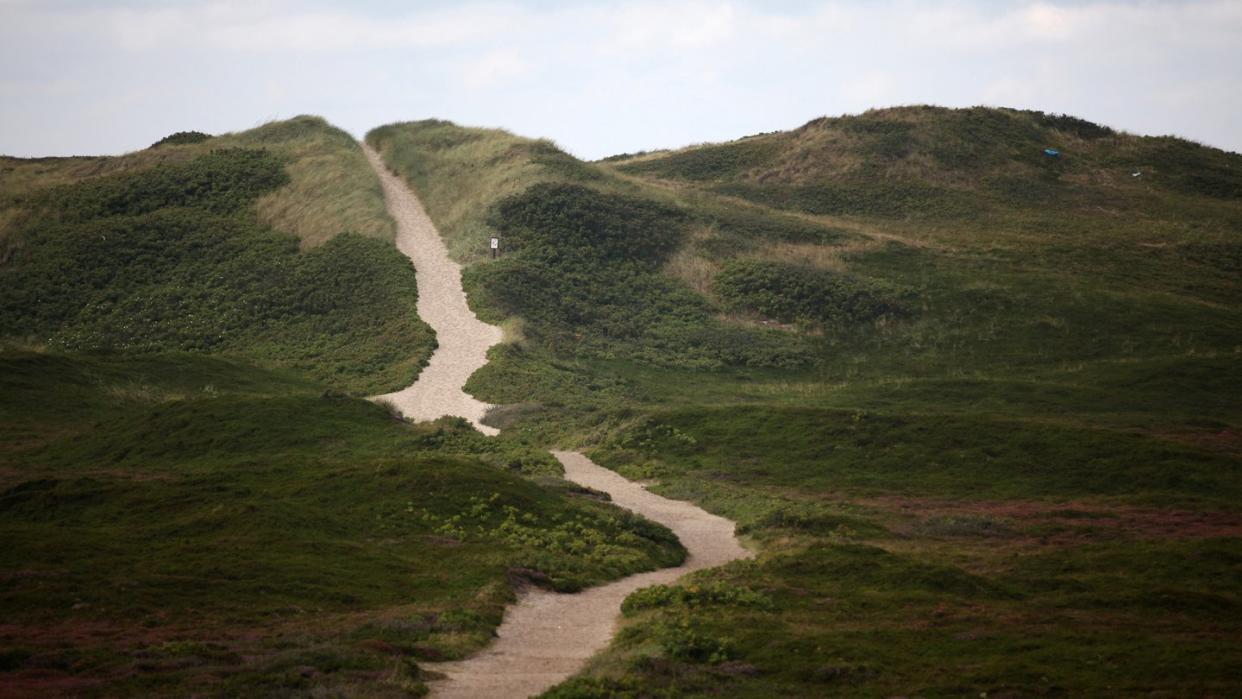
{"x": 217, "y": 518}
{"x": 927, "y": 554}
{"x": 181, "y": 138}
{"x": 582, "y": 268}
{"x": 794, "y": 293}
{"x": 581, "y": 258}
{"x": 859, "y": 453}
{"x": 172, "y": 258}
{"x": 925, "y": 162}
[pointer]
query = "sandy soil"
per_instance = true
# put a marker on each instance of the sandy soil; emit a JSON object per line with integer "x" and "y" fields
{"x": 546, "y": 637}
{"x": 463, "y": 339}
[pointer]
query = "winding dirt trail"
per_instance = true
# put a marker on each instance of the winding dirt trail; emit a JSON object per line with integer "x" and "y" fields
{"x": 463, "y": 338}
{"x": 545, "y": 637}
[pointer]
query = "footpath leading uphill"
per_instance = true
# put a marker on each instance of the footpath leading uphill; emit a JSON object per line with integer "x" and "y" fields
{"x": 463, "y": 339}
{"x": 546, "y": 636}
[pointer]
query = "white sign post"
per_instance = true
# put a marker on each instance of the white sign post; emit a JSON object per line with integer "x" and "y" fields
{"x": 495, "y": 246}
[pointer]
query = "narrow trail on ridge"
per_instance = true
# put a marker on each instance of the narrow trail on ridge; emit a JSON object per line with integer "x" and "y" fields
{"x": 463, "y": 339}
{"x": 546, "y": 636}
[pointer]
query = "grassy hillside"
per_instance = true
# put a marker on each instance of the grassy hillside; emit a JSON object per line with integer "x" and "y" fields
{"x": 331, "y": 187}
{"x": 931, "y": 162}
{"x": 582, "y": 253}
{"x": 191, "y": 500}
{"x": 181, "y": 524}
{"x": 173, "y": 249}
{"x": 1002, "y": 455}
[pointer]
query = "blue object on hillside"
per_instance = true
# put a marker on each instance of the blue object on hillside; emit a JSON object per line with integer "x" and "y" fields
{"x": 1052, "y": 152}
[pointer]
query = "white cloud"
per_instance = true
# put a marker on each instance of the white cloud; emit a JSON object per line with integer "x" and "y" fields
{"x": 678, "y": 25}
{"x": 493, "y": 68}
{"x": 628, "y": 74}
{"x": 231, "y": 25}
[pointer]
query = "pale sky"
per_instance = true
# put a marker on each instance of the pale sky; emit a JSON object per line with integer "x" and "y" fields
{"x": 80, "y": 77}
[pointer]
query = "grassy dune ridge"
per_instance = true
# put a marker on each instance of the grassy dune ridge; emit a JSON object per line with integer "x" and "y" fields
{"x": 331, "y": 188}
{"x": 1020, "y": 477}
{"x": 582, "y": 251}
{"x": 272, "y": 244}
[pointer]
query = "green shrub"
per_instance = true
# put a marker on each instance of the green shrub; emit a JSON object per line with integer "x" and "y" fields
{"x": 582, "y": 268}
{"x": 222, "y": 181}
{"x": 793, "y": 293}
{"x": 867, "y": 194}
{"x": 181, "y": 138}
{"x": 558, "y": 221}
{"x": 693, "y": 596}
{"x": 688, "y": 641}
{"x": 1072, "y": 125}
{"x": 709, "y": 162}
{"x": 172, "y": 258}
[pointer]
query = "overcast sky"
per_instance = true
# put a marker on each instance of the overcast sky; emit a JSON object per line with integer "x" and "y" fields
{"x": 601, "y": 78}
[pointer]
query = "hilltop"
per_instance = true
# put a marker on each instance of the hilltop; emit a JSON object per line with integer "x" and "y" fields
{"x": 930, "y": 162}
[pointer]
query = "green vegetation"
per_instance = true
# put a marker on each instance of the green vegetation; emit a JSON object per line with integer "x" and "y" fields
{"x": 928, "y": 556}
{"x": 331, "y": 187}
{"x": 191, "y": 500}
{"x": 975, "y": 409}
{"x": 858, "y": 454}
{"x": 794, "y": 293}
{"x": 244, "y": 525}
{"x": 214, "y": 523}
{"x": 582, "y": 255}
{"x": 181, "y": 138}
{"x": 172, "y": 257}
{"x": 1002, "y": 457}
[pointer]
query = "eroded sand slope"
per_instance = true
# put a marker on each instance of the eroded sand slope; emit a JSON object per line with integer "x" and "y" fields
{"x": 463, "y": 338}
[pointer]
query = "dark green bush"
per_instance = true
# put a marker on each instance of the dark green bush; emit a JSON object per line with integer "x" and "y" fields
{"x": 868, "y": 193}
{"x": 222, "y": 181}
{"x": 711, "y": 162}
{"x": 555, "y": 221}
{"x": 181, "y": 138}
{"x": 173, "y": 259}
{"x": 692, "y": 596}
{"x": 1073, "y": 125}
{"x": 689, "y": 642}
{"x": 583, "y": 269}
{"x": 793, "y": 293}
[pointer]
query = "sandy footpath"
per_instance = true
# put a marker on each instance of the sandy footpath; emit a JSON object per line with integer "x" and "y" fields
{"x": 546, "y": 637}
{"x": 463, "y": 338}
